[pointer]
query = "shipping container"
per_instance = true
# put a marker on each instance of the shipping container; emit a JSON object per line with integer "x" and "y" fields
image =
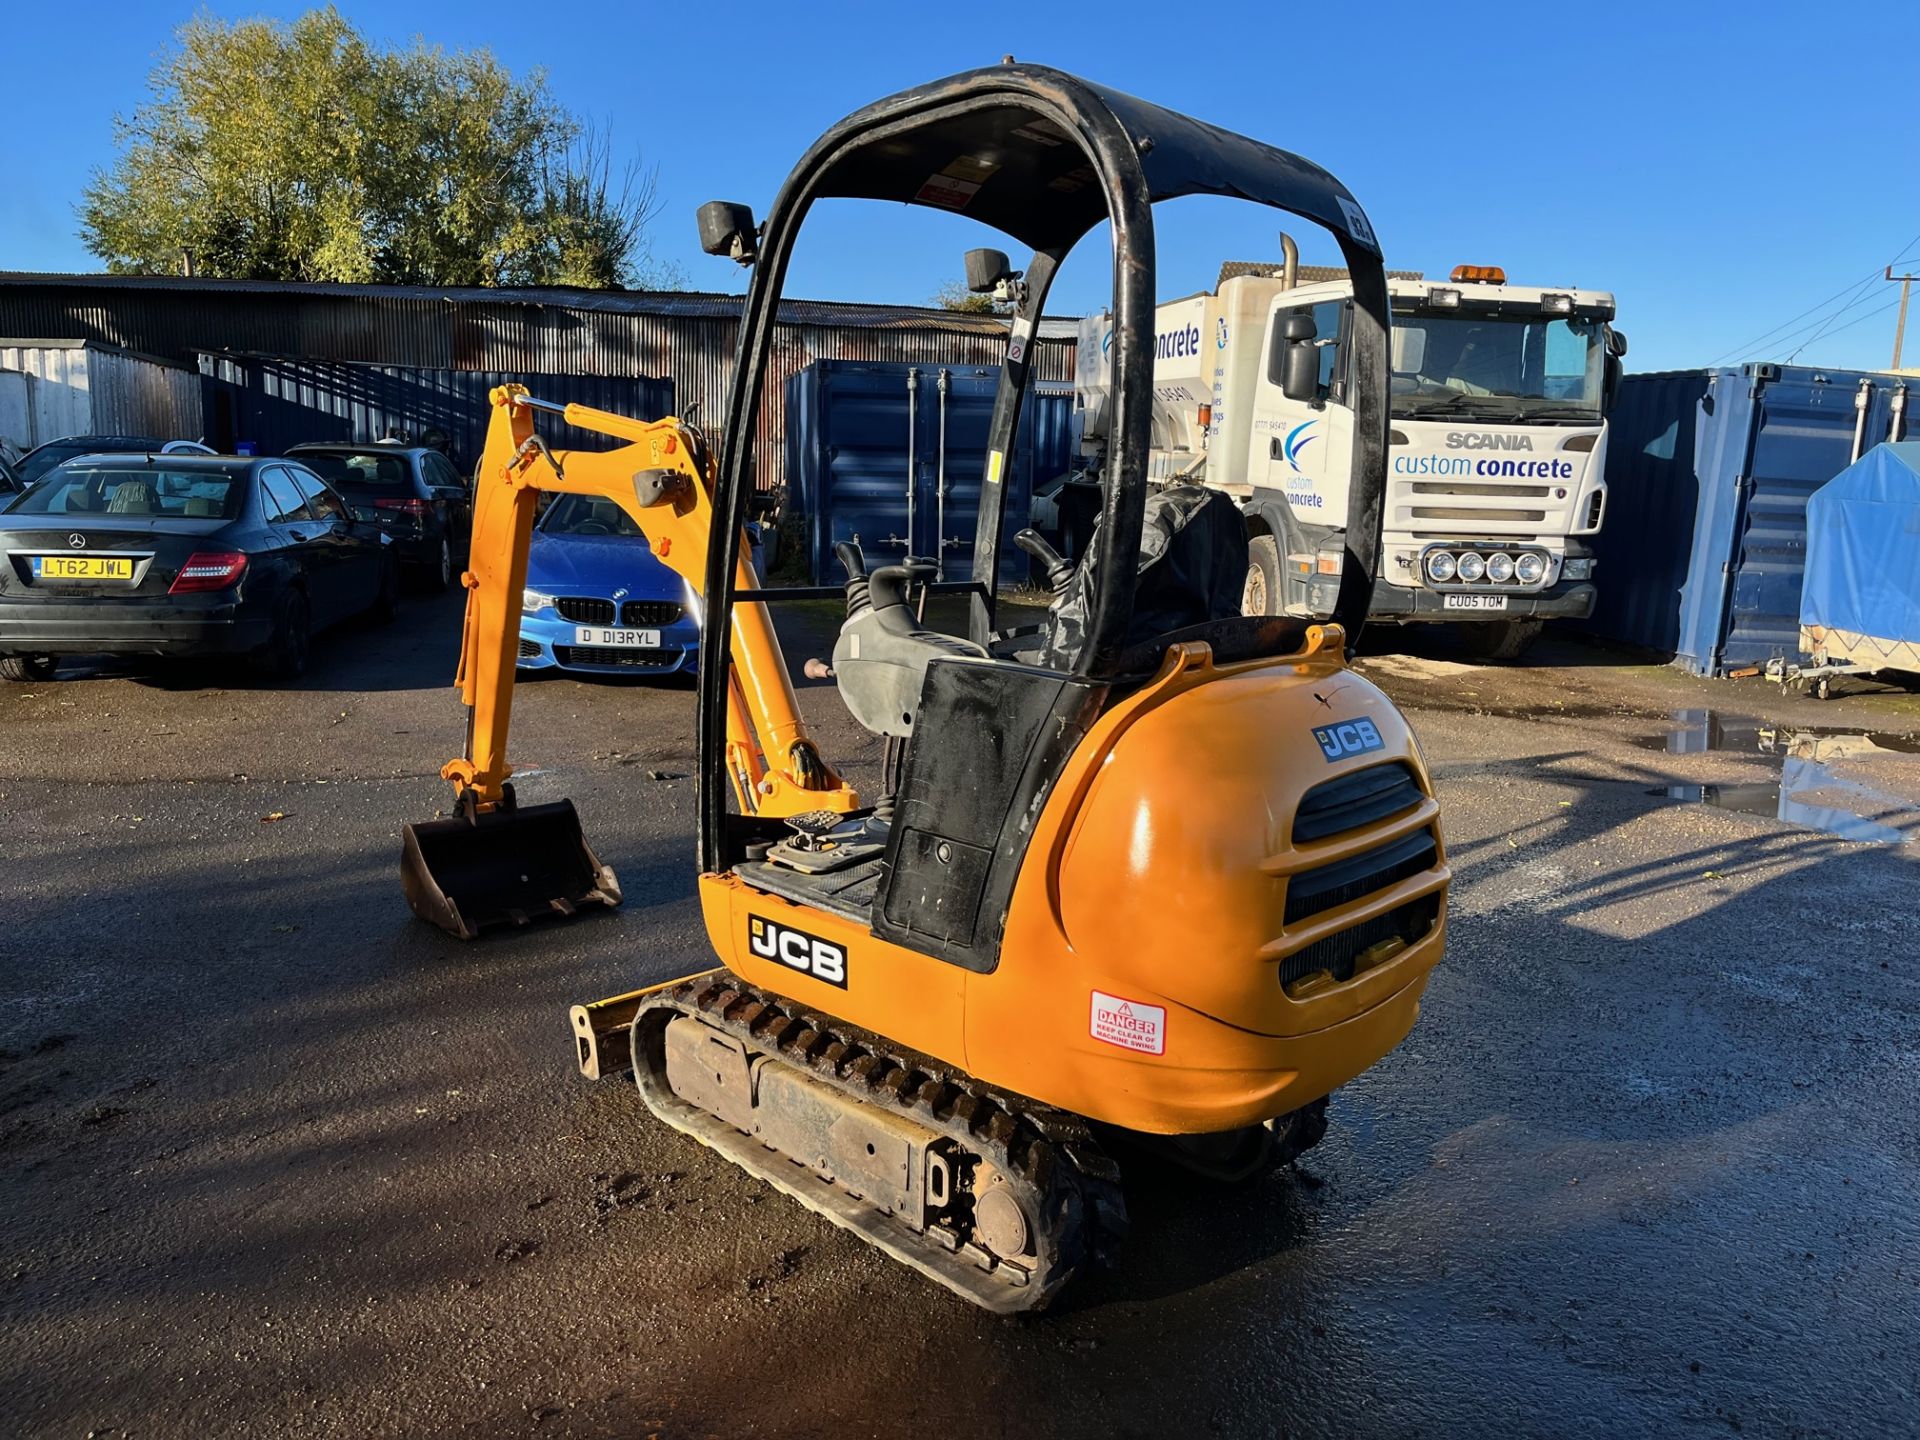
{"x": 268, "y": 403}
{"x": 1704, "y": 544}
{"x": 1646, "y": 534}
{"x": 78, "y": 387}
{"x": 892, "y": 456}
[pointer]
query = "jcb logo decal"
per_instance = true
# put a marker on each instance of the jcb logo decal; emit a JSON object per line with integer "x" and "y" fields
{"x": 1352, "y": 737}
{"x": 797, "y": 950}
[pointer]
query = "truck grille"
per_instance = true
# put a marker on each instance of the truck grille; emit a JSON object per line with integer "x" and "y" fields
{"x": 583, "y": 611}
{"x": 651, "y": 614}
{"x": 1350, "y": 801}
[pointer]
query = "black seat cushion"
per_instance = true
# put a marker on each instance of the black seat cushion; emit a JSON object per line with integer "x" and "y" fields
{"x": 1192, "y": 569}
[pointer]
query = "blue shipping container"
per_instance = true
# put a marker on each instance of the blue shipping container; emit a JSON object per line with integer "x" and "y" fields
{"x": 892, "y": 455}
{"x": 272, "y": 403}
{"x": 1751, "y": 444}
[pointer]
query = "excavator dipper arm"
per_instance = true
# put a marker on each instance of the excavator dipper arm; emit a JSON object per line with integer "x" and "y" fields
{"x": 662, "y": 477}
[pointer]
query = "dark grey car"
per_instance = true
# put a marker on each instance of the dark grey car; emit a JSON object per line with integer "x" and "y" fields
{"x": 414, "y": 495}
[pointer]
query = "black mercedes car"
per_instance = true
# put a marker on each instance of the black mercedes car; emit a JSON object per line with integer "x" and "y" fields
{"x": 412, "y": 492}
{"x": 183, "y": 555}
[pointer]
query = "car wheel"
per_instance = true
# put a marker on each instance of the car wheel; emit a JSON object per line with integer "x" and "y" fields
{"x": 438, "y": 575}
{"x": 27, "y": 667}
{"x": 286, "y": 653}
{"x": 386, "y": 605}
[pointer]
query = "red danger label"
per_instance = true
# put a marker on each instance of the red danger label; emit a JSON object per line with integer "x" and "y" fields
{"x": 1129, "y": 1024}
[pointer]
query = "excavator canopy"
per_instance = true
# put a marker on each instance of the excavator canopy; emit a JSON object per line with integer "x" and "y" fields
{"x": 1044, "y": 157}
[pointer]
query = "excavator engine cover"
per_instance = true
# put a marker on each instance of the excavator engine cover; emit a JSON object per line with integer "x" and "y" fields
{"x": 502, "y": 867}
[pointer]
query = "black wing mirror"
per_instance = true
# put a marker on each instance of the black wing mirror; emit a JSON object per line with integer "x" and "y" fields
{"x": 1299, "y": 360}
{"x": 727, "y": 228}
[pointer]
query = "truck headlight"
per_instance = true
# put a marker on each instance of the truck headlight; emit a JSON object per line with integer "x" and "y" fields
{"x": 1530, "y": 569}
{"x": 1441, "y": 566}
{"x": 1500, "y": 568}
{"x": 532, "y": 601}
{"x": 1472, "y": 567}
{"x": 1577, "y": 567}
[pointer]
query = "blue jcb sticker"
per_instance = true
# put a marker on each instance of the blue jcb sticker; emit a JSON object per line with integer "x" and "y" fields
{"x": 1349, "y": 737}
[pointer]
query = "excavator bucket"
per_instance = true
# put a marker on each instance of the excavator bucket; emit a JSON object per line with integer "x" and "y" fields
{"x": 502, "y": 867}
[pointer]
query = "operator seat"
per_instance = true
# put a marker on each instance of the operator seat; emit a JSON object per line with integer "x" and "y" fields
{"x": 1192, "y": 569}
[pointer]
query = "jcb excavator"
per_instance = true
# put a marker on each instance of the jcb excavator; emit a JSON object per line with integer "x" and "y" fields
{"x": 1148, "y": 870}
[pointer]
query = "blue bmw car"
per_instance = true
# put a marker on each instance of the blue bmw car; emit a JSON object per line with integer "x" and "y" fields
{"x": 598, "y": 602}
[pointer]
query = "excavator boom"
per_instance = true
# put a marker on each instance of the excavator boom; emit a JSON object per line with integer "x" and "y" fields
{"x": 496, "y": 861}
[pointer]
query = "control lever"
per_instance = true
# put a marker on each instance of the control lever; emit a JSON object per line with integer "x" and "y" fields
{"x": 1056, "y": 569}
{"x": 817, "y": 669}
{"x": 859, "y": 599}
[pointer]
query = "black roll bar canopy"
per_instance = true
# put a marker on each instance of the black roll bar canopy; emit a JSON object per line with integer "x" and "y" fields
{"x": 1044, "y": 156}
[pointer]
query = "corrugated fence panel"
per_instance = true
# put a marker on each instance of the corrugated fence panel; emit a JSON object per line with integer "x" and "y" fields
{"x": 273, "y": 402}
{"x": 79, "y": 388}
{"x": 1646, "y": 535}
{"x": 58, "y": 400}
{"x": 133, "y": 395}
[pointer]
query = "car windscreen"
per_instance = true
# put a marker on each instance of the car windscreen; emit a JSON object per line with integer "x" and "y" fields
{"x": 360, "y": 470}
{"x": 136, "y": 490}
{"x": 583, "y": 515}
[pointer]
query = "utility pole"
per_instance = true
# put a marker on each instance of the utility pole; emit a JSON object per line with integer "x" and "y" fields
{"x": 1900, "y": 327}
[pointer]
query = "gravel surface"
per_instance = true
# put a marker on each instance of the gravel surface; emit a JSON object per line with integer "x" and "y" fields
{"x": 274, "y": 1156}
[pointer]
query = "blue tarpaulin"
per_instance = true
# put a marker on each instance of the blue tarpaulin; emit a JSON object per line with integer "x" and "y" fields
{"x": 1863, "y": 547}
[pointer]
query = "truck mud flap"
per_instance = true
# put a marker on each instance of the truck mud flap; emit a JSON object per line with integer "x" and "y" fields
{"x": 505, "y": 867}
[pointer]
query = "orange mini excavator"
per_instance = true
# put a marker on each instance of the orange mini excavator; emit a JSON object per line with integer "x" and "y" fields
{"x": 1150, "y": 869}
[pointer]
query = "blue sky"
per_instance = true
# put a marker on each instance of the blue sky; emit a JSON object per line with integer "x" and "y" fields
{"x": 1721, "y": 169}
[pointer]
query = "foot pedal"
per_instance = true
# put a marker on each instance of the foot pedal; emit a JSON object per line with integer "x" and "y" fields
{"x": 824, "y": 841}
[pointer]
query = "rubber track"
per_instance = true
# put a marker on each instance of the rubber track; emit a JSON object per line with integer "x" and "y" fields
{"x": 1071, "y": 1187}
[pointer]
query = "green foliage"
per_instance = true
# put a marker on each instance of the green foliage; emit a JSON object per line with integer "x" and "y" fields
{"x": 300, "y": 151}
{"x": 955, "y": 296}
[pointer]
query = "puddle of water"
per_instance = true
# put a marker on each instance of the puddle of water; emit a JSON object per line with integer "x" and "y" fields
{"x": 1695, "y": 732}
{"x": 1808, "y": 793}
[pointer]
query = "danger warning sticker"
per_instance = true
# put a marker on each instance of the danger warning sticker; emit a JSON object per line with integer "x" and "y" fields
{"x": 1129, "y": 1024}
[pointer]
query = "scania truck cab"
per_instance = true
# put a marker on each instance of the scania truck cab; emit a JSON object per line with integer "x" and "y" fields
{"x": 1497, "y": 447}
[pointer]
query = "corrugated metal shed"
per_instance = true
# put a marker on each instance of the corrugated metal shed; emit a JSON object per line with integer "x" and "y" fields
{"x": 76, "y": 387}
{"x": 1756, "y": 442}
{"x": 271, "y": 402}
{"x": 686, "y": 337}
{"x": 870, "y": 459}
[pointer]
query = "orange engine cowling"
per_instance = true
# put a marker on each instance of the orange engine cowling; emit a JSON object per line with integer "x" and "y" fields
{"x": 1231, "y": 904}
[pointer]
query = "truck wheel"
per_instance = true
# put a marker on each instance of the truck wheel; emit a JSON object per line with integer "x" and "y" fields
{"x": 1499, "y": 639}
{"x": 26, "y": 667}
{"x": 1262, "y": 595}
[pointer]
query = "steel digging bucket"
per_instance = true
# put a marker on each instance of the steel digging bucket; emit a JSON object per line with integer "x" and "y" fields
{"x": 507, "y": 866}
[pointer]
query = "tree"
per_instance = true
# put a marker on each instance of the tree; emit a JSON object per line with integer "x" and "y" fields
{"x": 301, "y": 151}
{"x": 955, "y": 296}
